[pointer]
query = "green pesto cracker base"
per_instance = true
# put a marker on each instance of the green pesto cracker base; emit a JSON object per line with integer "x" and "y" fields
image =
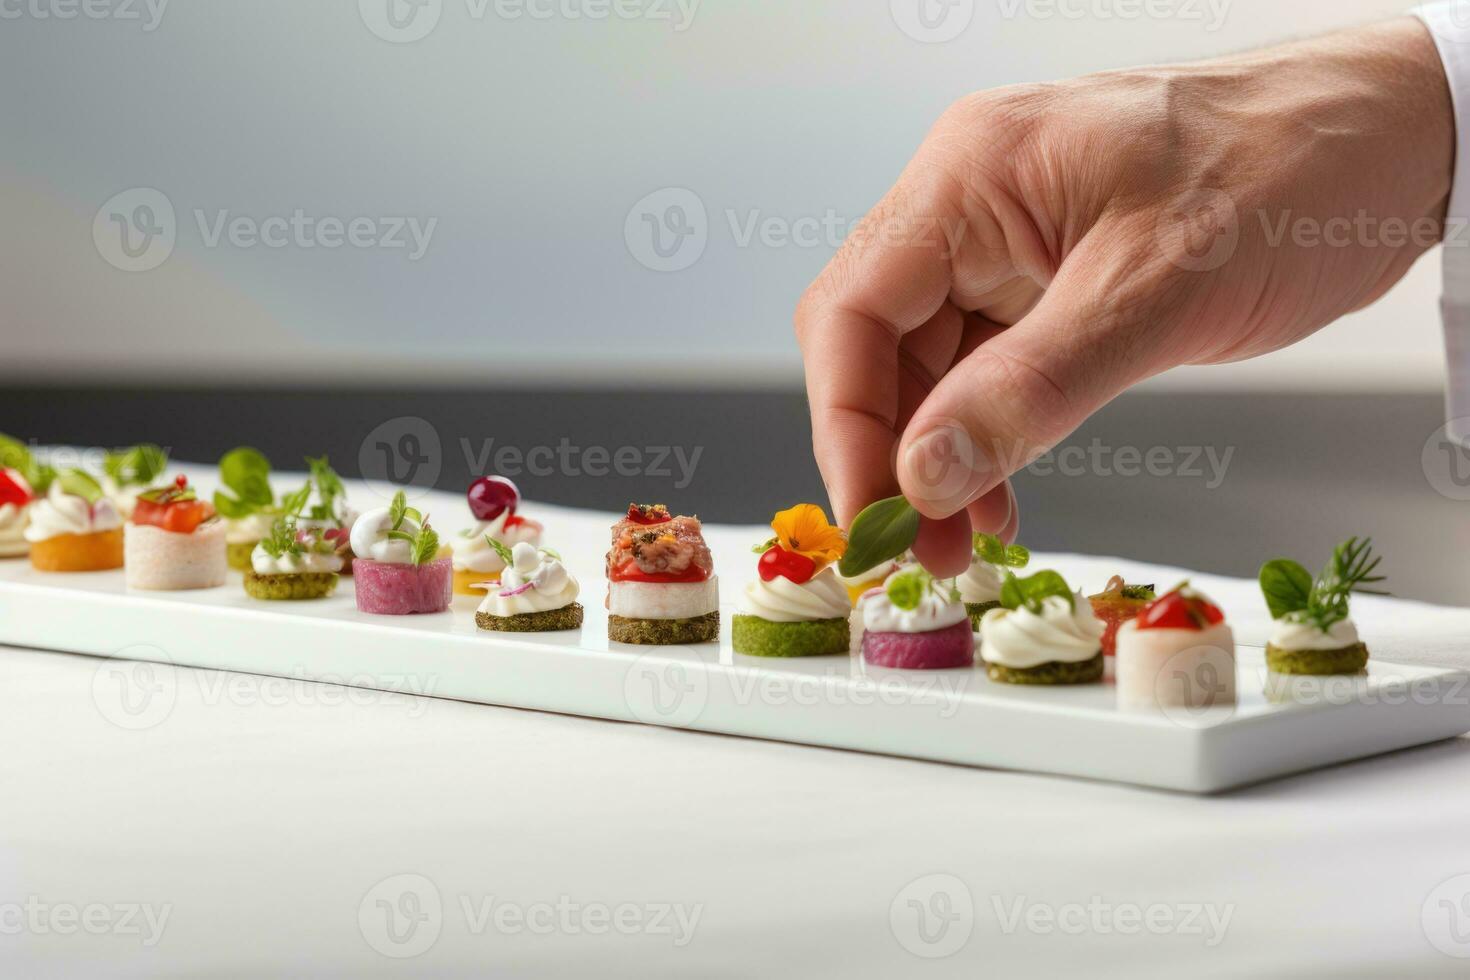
{"x": 238, "y": 553}
{"x": 756, "y": 637}
{"x": 1347, "y": 660}
{"x": 977, "y": 611}
{"x": 664, "y": 632}
{"x": 1049, "y": 675}
{"x": 305, "y": 585}
{"x": 546, "y": 621}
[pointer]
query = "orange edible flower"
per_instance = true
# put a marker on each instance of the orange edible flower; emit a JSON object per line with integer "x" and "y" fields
{"x": 805, "y": 530}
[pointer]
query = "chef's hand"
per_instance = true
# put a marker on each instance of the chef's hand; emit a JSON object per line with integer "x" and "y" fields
{"x": 1051, "y": 245}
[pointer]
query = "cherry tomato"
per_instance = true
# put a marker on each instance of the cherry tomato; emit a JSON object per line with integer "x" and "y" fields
{"x": 13, "y": 488}
{"x": 1181, "y": 611}
{"x": 777, "y": 562}
{"x": 491, "y": 496}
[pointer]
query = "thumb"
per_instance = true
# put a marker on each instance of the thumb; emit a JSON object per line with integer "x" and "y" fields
{"x": 1021, "y": 392}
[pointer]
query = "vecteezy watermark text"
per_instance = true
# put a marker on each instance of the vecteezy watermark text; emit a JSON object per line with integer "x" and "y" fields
{"x": 407, "y": 21}
{"x": 571, "y": 460}
{"x": 147, "y": 13}
{"x": 37, "y": 917}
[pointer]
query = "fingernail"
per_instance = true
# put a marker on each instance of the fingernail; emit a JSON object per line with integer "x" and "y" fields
{"x": 945, "y": 471}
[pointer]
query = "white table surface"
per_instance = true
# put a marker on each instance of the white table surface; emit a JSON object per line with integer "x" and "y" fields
{"x": 260, "y": 821}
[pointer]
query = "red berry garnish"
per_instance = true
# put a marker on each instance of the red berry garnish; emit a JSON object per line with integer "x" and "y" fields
{"x": 1180, "y": 610}
{"x": 777, "y": 562}
{"x": 491, "y": 496}
{"x": 14, "y": 489}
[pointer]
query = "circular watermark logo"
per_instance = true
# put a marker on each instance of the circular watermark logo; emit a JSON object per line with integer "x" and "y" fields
{"x": 1446, "y": 459}
{"x": 136, "y": 229}
{"x": 1201, "y": 232}
{"x": 1446, "y": 917}
{"x": 664, "y": 692}
{"x": 401, "y": 21}
{"x": 403, "y": 453}
{"x": 933, "y": 916}
{"x": 932, "y": 21}
{"x": 944, "y": 465}
{"x": 1196, "y": 688}
{"x": 137, "y": 693}
{"x": 667, "y": 231}
{"x": 401, "y": 916}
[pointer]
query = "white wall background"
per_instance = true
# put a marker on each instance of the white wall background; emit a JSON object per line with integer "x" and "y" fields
{"x": 528, "y": 140}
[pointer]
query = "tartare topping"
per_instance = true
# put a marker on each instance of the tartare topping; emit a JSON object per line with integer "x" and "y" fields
{"x": 912, "y": 601}
{"x": 648, "y": 514}
{"x": 535, "y": 580}
{"x": 491, "y": 496}
{"x": 291, "y": 550}
{"x": 175, "y": 507}
{"x": 672, "y": 550}
{"x": 396, "y": 534}
{"x": 782, "y": 600}
{"x": 1119, "y": 603}
{"x": 982, "y": 581}
{"x": 1182, "y": 609}
{"x": 65, "y": 511}
{"x": 1057, "y": 629}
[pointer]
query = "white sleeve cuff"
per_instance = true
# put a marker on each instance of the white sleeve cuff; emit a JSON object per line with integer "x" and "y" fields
{"x": 1449, "y": 24}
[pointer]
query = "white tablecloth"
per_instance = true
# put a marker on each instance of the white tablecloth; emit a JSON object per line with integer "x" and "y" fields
{"x": 274, "y": 827}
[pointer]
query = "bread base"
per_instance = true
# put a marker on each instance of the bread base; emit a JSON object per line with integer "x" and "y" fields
{"x": 1317, "y": 663}
{"x": 664, "y": 632}
{"x": 95, "y": 552}
{"x": 757, "y": 637}
{"x": 546, "y": 621}
{"x": 290, "y": 586}
{"x": 1049, "y": 675}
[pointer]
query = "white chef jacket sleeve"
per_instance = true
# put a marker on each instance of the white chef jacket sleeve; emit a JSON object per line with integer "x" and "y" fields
{"x": 1449, "y": 23}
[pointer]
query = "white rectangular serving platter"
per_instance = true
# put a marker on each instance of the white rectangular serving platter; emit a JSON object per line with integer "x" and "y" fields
{"x": 956, "y": 716}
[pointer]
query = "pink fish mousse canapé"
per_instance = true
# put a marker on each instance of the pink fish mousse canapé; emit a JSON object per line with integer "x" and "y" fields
{"x": 396, "y": 569}
{"x": 402, "y": 588}
{"x": 916, "y": 623}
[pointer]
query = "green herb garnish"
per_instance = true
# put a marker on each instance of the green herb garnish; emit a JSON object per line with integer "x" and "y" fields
{"x": 171, "y": 493}
{"x": 1031, "y": 593}
{"x": 329, "y": 489}
{"x": 80, "y": 484}
{"x": 1139, "y": 592}
{"x": 1291, "y": 591}
{"x": 764, "y": 547}
{"x": 137, "y": 466}
{"x": 882, "y": 532}
{"x": 993, "y": 550}
{"x": 15, "y": 455}
{"x": 500, "y": 550}
{"x": 246, "y": 472}
{"x": 426, "y": 547}
{"x": 292, "y": 505}
{"x": 282, "y": 540}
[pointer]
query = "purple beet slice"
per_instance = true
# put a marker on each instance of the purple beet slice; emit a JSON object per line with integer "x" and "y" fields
{"x": 402, "y": 589}
{"x": 943, "y": 649}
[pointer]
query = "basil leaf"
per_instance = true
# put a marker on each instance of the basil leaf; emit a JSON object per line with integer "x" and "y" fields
{"x": 232, "y": 509}
{"x": 1286, "y": 585}
{"x": 1030, "y": 593}
{"x": 137, "y": 466}
{"x": 990, "y": 549}
{"x": 880, "y": 533}
{"x": 246, "y": 472}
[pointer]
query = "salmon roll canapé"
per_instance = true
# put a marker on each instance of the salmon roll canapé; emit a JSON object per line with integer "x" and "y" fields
{"x": 175, "y": 541}
{"x": 661, "y": 586}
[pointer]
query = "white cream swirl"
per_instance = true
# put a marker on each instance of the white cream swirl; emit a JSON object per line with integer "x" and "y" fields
{"x": 307, "y": 562}
{"x": 981, "y": 582}
{"x": 13, "y": 519}
{"x": 784, "y": 601}
{"x": 534, "y": 582}
{"x": 61, "y": 513}
{"x": 370, "y": 537}
{"x": 253, "y": 527}
{"x": 935, "y": 611}
{"x": 1062, "y": 633}
{"x": 1292, "y": 633}
{"x": 472, "y": 553}
{"x": 879, "y": 574}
